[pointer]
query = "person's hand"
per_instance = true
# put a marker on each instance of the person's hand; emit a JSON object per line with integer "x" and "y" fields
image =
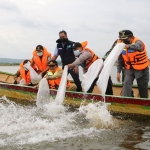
{"x": 38, "y": 71}
{"x": 118, "y": 77}
{"x": 42, "y": 74}
{"x": 35, "y": 87}
{"x": 46, "y": 76}
{"x": 76, "y": 70}
{"x": 70, "y": 66}
{"x": 15, "y": 78}
{"x": 127, "y": 46}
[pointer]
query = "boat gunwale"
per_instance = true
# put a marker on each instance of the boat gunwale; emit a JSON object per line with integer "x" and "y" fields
{"x": 81, "y": 96}
{"x": 114, "y": 84}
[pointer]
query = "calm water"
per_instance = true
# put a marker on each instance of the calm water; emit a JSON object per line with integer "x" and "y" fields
{"x": 55, "y": 127}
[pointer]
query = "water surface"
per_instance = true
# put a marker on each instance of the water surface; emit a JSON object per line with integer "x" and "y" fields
{"x": 55, "y": 127}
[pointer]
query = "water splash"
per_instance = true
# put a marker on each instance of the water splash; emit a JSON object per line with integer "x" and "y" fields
{"x": 23, "y": 126}
{"x": 97, "y": 114}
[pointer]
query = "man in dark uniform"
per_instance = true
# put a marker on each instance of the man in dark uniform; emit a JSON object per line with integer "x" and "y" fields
{"x": 65, "y": 51}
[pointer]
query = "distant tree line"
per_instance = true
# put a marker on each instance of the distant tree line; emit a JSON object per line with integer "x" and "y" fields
{"x": 16, "y": 64}
{"x": 9, "y": 64}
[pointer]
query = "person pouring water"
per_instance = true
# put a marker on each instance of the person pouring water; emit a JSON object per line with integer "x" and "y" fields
{"x": 107, "y": 54}
{"x": 54, "y": 75}
{"x": 135, "y": 60}
{"x": 85, "y": 57}
{"x": 23, "y": 75}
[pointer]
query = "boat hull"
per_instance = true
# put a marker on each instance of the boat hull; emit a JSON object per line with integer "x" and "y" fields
{"x": 116, "y": 104}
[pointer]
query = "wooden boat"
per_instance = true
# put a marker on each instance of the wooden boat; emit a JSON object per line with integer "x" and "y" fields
{"x": 117, "y": 103}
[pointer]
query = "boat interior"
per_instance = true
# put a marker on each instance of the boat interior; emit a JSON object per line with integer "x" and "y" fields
{"x": 117, "y": 88}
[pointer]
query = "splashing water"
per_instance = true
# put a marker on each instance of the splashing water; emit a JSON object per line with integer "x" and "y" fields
{"x": 43, "y": 95}
{"x": 108, "y": 64}
{"x": 97, "y": 114}
{"x": 25, "y": 125}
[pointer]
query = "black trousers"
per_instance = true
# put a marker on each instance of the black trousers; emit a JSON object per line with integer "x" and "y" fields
{"x": 142, "y": 83}
{"x": 76, "y": 79}
{"x": 109, "y": 90}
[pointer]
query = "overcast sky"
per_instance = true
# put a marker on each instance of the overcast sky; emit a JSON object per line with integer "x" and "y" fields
{"x": 24, "y": 24}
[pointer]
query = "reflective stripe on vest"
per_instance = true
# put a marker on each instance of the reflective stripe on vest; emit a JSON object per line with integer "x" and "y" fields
{"x": 56, "y": 82}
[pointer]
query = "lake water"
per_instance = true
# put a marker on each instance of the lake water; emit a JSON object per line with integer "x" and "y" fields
{"x": 55, "y": 127}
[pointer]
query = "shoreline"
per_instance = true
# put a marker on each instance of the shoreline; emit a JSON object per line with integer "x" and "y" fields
{"x": 9, "y": 64}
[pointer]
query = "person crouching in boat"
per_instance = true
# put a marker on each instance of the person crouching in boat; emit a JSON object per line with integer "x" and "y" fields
{"x": 40, "y": 58}
{"x": 54, "y": 75}
{"x": 22, "y": 76}
{"x": 85, "y": 57}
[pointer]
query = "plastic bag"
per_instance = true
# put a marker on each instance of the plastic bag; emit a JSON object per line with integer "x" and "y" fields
{"x": 108, "y": 64}
{"x": 62, "y": 87}
{"x": 43, "y": 94}
{"x": 91, "y": 74}
{"x": 35, "y": 78}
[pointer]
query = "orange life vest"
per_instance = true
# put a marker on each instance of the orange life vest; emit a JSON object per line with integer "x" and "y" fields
{"x": 94, "y": 56}
{"x": 24, "y": 74}
{"x": 53, "y": 84}
{"x": 138, "y": 60}
{"x": 41, "y": 63}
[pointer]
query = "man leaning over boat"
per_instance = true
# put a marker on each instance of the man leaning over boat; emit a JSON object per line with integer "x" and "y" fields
{"x": 85, "y": 57}
{"x": 22, "y": 76}
{"x": 135, "y": 59}
{"x": 123, "y": 68}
